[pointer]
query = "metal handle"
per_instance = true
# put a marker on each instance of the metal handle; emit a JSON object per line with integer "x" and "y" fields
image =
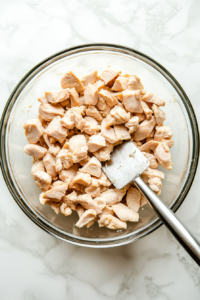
{"x": 183, "y": 235}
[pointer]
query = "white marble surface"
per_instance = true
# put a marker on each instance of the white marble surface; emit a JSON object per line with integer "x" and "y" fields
{"x": 34, "y": 265}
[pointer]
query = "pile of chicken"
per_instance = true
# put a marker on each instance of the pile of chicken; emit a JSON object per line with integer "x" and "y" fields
{"x": 77, "y": 127}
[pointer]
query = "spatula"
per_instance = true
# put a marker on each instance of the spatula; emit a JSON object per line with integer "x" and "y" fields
{"x": 126, "y": 165}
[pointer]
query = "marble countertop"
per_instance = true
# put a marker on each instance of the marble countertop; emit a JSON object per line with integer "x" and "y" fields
{"x": 35, "y": 265}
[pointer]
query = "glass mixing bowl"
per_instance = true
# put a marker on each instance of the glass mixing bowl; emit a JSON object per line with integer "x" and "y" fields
{"x": 23, "y": 105}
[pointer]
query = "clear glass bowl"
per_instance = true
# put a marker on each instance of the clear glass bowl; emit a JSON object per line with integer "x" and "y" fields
{"x": 23, "y": 105}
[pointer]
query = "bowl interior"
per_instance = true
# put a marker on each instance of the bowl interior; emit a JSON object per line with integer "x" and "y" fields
{"x": 26, "y": 107}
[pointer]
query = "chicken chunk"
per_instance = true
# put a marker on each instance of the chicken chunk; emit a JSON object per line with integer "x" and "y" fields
{"x": 68, "y": 176}
{"x": 121, "y": 132}
{"x": 108, "y": 75}
{"x": 124, "y": 213}
{"x": 103, "y": 154}
{"x": 150, "y": 173}
{"x": 159, "y": 115}
{"x": 120, "y": 115}
{"x": 121, "y": 84}
{"x": 88, "y": 216}
{"x": 132, "y": 101}
{"x": 143, "y": 201}
{"x": 55, "y": 206}
{"x": 55, "y": 194}
{"x": 155, "y": 184}
{"x": 162, "y": 132}
{"x": 133, "y": 197}
{"x": 91, "y": 95}
{"x": 57, "y": 129}
{"x": 78, "y": 147}
{"x": 151, "y": 98}
{"x": 134, "y": 83}
{"x": 148, "y": 112}
{"x": 57, "y": 96}
{"x": 42, "y": 179}
{"x": 99, "y": 84}
{"x": 91, "y": 126}
{"x": 93, "y": 167}
{"x": 96, "y": 142}
{"x": 86, "y": 201}
{"x": 132, "y": 124}
{"x": 101, "y": 104}
{"x": 65, "y": 210}
{"x": 70, "y": 80}
{"x": 64, "y": 160}
{"x": 108, "y": 97}
{"x": 103, "y": 180}
{"x": 37, "y": 166}
{"x": 48, "y": 111}
{"x": 163, "y": 156}
{"x": 54, "y": 149}
{"x": 144, "y": 129}
{"x": 152, "y": 160}
{"x": 150, "y": 145}
{"x": 108, "y": 133}
{"x": 80, "y": 210}
{"x": 93, "y": 191}
{"x": 49, "y": 162}
{"x": 169, "y": 143}
{"x": 141, "y": 117}
{"x": 74, "y": 97}
{"x": 89, "y": 78}
{"x": 35, "y": 151}
{"x": 106, "y": 211}
{"x": 110, "y": 197}
{"x": 111, "y": 222}
{"x": 91, "y": 111}
{"x": 121, "y": 192}
{"x": 33, "y": 130}
{"x": 82, "y": 178}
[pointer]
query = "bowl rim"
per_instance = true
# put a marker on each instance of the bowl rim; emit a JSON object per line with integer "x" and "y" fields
{"x": 34, "y": 216}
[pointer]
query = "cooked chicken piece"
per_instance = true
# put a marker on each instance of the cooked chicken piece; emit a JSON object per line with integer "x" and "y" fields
{"x": 42, "y": 179}
{"x": 101, "y": 104}
{"x": 150, "y": 173}
{"x": 43, "y": 100}
{"x": 121, "y": 192}
{"x": 99, "y": 85}
{"x": 109, "y": 121}
{"x": 70, "y": 80}
{"x": 132, "y": 124}
{"x": 121, "y": 84}
{"x": 103, "y": 180}
{"x": 124, "y": 213}
{"x": 169, "y": 143}
{"x": 81, "y": 100}
{"x": 56, "y": 183}
{"x": 105, "y": 112}
{"x": 66, "y": 103}
{"x": 111, "y": 222}
{"x": 151, "y": 98}
{"x": 133, "y": 197}
{"x": 65, "y": 210}
{"x": 148, "y": 112}
{"x": 55, "y": 206}
{"x": 93, "y": 167}
{"x": 35, "y": 151}
{"x": 83, "y": 162}
{"x": 91, "y": 95}
{"x": 57, "y": 96}
{"x": 48, "y": 111}
{"x": 82, "y": 178}
{"x": 78, "y": 147}
{"x": 110, "y": 196}
{"x": 87, "y": 202}
{"x": 68, "y": 119}
{"x": 64, "y": 160}
{"x": 134, "y": 83}
{"x": 159, "y": 114}
{"x": 91, "y": 126}
{"x": 108, "y": 75}
{"x": 155, "y": 184}
{"x": 80, "y": 210}
{"x": 152, "y": 160}
{"x": 150, "y": 145}
{"x": 54, "y": 149}
{"x": 93, "y": 191}
{"x": 33, "y": 130}
{"x": 101, "y": 202}
{"x": 37, "y": 166}
{"x": 67, "y": 176}
{"x": 162, "y": 132}
{"x": 141, "y": 117}
{"x": 89, "y": 78}
{"x": 120, "y": 115}
{"x": 144, "y": 129}
{"x": 50, "y": 163}
{"x": 118, "y": 96}
{"x": 88, "y": 216}
{"x": 57, "y": 129}
{"x": 108, "y": 133}
{"x": 55, "y": 194}
{"x": 72, "y": 197}
{"x": 103, "y": 154}
{"x": 106, "y": 211}
{"x": 143, "y": 201}
{"x": 96, "y": 142}
{"x": 91, "y": 111}
{"x": 46, "y": 139}
{"x": 163, "y": 156}
{"x": 108, "y": 97}
{"x": 121, "y": 132}
{"x": 132, "y": 101}
{"x": 74, "y": 97}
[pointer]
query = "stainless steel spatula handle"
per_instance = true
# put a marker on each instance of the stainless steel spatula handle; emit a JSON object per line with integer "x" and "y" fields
{"x": 182, "y": 234}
